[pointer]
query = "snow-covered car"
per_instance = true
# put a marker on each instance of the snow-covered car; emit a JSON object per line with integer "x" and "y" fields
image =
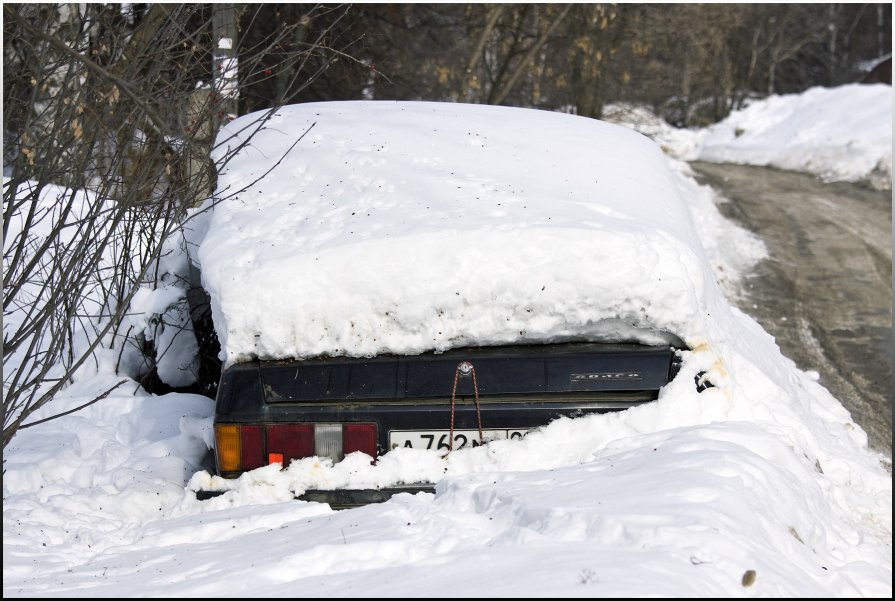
{"x": 434, "y": 276}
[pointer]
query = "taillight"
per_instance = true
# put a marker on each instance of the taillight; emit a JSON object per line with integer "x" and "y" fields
{"x": 328, "y": 441}
{"x": 252, "y": 447}
{"x": 239, "y": 448}
{"x": 292, "y": 441}
{"x": 227, "y": 447}
{"x": 244, "y": 448}
{"x": 359, "y": 437}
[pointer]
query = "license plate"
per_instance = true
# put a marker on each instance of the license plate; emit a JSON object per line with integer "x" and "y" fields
{"x": 439, "y": 440}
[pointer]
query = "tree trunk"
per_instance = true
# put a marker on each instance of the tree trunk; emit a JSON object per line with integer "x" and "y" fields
{"x": 507, "y": 86}
{"x": 468, "y": 84}
{"x": 226, "y": 72}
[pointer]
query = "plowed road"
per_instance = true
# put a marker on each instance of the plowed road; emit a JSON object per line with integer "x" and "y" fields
{"x": 825, "y": 293}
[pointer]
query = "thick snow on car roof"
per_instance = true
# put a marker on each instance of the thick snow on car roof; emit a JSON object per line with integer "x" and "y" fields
{"x": 401, "y": 227}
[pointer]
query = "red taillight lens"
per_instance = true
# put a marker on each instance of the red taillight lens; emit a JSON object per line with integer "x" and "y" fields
{"x": 291, "y": 441}
{"x": 359, "y": 437}
{"x": 252, "y": 439}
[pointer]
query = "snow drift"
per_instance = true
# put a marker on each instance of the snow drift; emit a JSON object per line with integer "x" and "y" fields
{"x": 838, "y": 134}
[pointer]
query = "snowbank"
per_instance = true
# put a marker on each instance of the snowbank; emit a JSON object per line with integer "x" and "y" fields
{"x": 839, "y": 134}
{"x": 676, "y": 142}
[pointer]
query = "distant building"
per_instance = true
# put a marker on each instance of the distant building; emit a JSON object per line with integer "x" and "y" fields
{"x": 881, "y": 72}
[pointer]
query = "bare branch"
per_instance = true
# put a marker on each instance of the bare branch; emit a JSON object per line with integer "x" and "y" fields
{"x": 70, "y": 411}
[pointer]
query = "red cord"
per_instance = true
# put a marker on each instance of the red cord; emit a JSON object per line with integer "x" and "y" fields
{"x": 453, "y": 396}
{"x": 478, "y": 410}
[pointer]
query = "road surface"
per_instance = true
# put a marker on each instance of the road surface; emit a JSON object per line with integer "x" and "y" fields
{"x": 825, "y": 293}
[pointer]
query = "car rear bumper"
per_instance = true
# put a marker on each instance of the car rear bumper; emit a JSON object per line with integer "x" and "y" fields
{"x": 343, "y": 498}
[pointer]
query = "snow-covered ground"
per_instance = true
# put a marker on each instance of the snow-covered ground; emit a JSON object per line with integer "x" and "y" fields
{"x": 762, "y": 485}
{"x": 838, "y": 134}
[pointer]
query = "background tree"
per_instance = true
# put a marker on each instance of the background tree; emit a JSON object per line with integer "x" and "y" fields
{"x": 692, "y": 63}
{"x": 102, "y": 130}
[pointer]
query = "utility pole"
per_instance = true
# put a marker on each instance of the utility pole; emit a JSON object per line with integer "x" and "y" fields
{"x": 226, "y": 72}
{"x": 211, "y": 107}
